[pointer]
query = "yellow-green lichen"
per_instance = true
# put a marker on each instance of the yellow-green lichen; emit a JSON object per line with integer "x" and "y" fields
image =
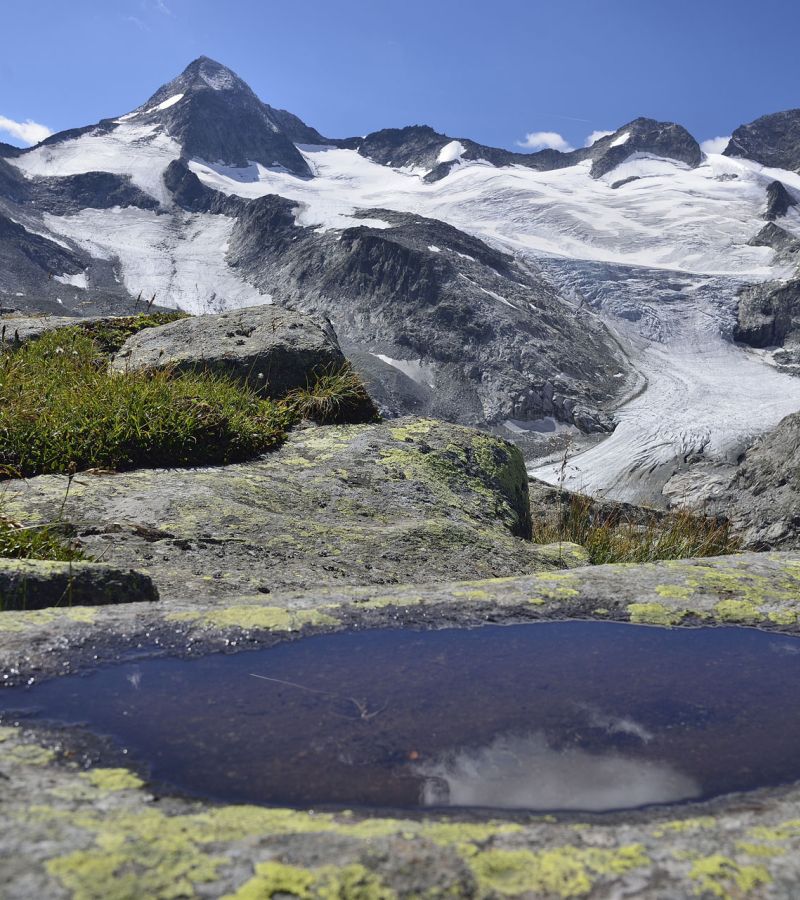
{"x": 736, "y": 611}
{"x": 563, "y": 871}
{"x": 655, "y": 614}
{"x": 111, "y": 780}
{"x": 763, "y": 851}
{"x": 674, "y": 591}
{"x": 722, "y": 876}
{"x": 783, "y": 617}
{"x": 353, "y": 882}
{"x": 267, "y": 618}
{"x": 40, "y": 618}
{"x": 680, "y": 826}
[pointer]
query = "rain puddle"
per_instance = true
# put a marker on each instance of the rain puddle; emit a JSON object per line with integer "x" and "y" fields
{"x": 546, "y": 716}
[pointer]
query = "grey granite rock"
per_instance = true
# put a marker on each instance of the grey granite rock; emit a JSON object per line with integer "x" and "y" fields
{"x": 361, "y": 504}
{"x": 270, "y": 348}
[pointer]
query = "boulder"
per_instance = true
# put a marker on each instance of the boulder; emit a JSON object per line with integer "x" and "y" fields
{"x": 270, "y": 348}
{"x": 359, "y": 504}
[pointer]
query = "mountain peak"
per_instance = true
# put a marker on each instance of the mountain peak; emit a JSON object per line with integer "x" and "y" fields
{"x": 216, "y": 117}
{"x": 207, "y": 72}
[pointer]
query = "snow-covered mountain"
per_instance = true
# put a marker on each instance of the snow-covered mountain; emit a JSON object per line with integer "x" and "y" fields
{"x": 544, "y": 295}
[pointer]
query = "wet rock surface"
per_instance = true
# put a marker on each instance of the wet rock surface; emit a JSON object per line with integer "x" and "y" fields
{"x": 72, "y": 828}
{"x": 369, "y": 504}
{"x": 269, "y": 348}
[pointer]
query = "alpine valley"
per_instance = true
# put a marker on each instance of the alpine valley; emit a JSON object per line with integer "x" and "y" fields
{"x": 637, "y": 298}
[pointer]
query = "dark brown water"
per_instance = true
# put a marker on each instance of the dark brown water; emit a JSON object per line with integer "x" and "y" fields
{"x": 566, "y": 715}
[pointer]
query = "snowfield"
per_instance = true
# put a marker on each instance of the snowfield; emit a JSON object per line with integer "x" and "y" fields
{"x": 680, "y": 235}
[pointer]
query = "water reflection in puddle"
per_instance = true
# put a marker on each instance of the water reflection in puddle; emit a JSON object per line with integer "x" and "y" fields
{"x": 548, "y": 716}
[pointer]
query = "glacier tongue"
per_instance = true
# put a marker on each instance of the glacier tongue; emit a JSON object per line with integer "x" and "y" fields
{"x": 703, "y": 395}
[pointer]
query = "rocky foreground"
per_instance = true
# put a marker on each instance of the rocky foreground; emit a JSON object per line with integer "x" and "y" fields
{"x": 412, "y": 523}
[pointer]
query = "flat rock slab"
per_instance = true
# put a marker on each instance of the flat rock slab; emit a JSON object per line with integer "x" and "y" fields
{"x": 17, "y": 330}
{"x": 69, "y": 832}
{"x": 409, "y": 500}
{"x": 268, "y": 347}
{"x": 38, "y": 584}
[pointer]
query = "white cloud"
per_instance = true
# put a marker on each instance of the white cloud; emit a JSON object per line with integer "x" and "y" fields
{"x": 544, "y": 140}
{"x": 595, "y": 136}
{"x": 715, "y": 145}
{"x": 162, "y": 7}
{"x": 28, "y": 131}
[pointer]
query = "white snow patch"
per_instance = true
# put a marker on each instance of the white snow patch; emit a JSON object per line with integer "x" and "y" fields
{"x": 673, "y": 218}
{"x": 180, "y": 258}
{"x": 451, "y": 152}
{"x": 434, "y": 249}
{"x": 78, "y": 281}
{"x": 622, "y": 139}
{"x": 413, "y": 368}
{"x": 176, "y": 98}
{"x": 141, "y": 151}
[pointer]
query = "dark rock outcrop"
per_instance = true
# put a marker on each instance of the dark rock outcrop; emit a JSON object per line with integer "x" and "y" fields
{"x": 772, "y": 140}
{"x": 29, "y": 258}
{"x": 762, "y": 496}
{"x": 769, "y": 314}
{"x": 488, "y": 337}
{"x": 220, "y": 119}
{"x": 779, "y": 201}
{"x": 420, "y": 146}
{"x": 36, "y": 584}
{"x": 270, "y": 348}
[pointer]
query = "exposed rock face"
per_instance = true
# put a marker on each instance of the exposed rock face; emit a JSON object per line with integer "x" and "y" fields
{"x": 421, "y": 147}
{"x": 772, "y": 140}
{"x": 27, "y": 258}
{"x": 485, "y": 337}
{"x": 218, "y": 118}
{"x": 267, "y": 347}
{"x": 644, "y": 136}
{"x": 762, "y": 499}
{"x": 769, "y": 314}
{"x": 779, "y": 201}
{"x": 785, "y": 245}
{"x": 364, "y": 504}
{"x": 34, "y": 584}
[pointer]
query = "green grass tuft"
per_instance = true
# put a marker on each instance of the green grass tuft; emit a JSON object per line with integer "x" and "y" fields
{"x": 613, "y": 535}
{"x": 18, "y": 542}
{"x": 110, "y": 334}
{"x": 334, "y": 397}
{"x": 62, "y": 410}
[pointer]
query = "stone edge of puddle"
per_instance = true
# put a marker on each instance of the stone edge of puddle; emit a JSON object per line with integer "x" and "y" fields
{"x": 74, "y": 833}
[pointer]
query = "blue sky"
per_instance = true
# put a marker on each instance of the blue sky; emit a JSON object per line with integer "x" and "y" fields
{"x": 493, "y": 71}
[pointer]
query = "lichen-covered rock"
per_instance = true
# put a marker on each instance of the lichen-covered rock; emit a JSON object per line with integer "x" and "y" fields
{"x": 408, "y": 500}
{"x": 270, "y": 348}
{"x": 75, "y": 833}
{"x": 38, "y": 584}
